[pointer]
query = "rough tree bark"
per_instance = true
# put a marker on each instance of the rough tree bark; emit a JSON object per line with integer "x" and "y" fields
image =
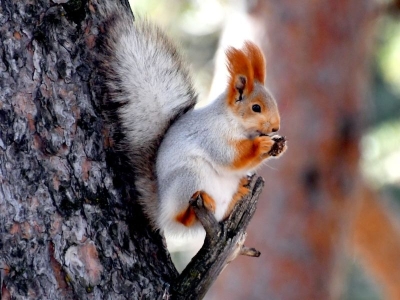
{"x": 69, "y": 225}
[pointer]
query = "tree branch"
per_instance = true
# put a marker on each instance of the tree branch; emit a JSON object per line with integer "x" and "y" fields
{"x": 223, "y": 242}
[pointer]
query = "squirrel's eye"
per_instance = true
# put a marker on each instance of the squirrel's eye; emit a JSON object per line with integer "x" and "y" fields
{"x": 256, "y": 108}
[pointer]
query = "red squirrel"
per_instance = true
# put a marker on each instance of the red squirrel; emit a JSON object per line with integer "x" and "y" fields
{"x": 180, "y": 151}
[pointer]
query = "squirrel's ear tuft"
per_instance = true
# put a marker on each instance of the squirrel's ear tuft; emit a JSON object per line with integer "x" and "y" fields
{"x": 241, "y": 75}
{"x": 257, "y": 59}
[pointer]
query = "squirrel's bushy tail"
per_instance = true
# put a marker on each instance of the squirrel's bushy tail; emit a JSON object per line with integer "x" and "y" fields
{"x": 146, "y": 79}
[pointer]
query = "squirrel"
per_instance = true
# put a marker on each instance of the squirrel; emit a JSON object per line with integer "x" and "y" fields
{"x": 178, "y": 151}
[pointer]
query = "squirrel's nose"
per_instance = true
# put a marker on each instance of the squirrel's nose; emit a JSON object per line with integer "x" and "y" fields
{"x": 275, "y": 129}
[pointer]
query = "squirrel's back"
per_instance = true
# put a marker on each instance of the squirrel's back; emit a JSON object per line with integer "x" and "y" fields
{"x": 148, "y": 82}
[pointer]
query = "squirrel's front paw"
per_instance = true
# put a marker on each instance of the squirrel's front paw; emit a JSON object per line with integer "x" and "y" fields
{"x": 279, "y": 146}
{"x": 265, "y": 144}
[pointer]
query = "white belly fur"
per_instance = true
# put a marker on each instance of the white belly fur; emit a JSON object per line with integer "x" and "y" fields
{"x": 221, "y": 189}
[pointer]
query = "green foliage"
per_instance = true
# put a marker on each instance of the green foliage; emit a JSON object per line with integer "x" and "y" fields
{"x": 381, "y": 143}
{"x": 381, "y": 154}
{"x": 388, "y": 55}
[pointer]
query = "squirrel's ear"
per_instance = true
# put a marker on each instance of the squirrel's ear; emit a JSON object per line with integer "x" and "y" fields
{"x": 241, "y": 75}
{"x": 257, "y": 60}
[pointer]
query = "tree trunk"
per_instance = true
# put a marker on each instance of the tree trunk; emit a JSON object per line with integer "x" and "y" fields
{"x": 69, "y": 228}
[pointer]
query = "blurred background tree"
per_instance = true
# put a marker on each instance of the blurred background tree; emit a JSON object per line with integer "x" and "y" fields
{"x": 334, "y": 68}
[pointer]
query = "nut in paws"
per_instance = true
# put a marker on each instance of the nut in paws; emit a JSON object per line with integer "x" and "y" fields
{"x": 279, "y": 146}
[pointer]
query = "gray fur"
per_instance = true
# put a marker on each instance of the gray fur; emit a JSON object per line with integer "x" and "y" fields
{"x": 146, "y": 77}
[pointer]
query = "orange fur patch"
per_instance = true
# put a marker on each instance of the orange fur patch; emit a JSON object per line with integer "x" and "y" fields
{"x": 238, "y": 65}
{"x": 249, "y": 153}
{"x": 246, "y": 152}
{"x": 187, "y": 217}
{"x": 208, "y": 201}
{"x": 257, "y": 60}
